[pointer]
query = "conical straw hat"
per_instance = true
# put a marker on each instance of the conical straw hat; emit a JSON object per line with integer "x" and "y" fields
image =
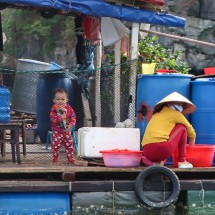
{"x": 176, "y": 97}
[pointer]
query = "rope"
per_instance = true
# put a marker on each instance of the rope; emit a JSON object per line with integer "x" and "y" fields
{"x": 70, "y": 186}
{"x": 202, "y": 197}
{"x": 164, "y": 193}
{"x": 113, "y": 197}
{"x": 54, "y": 2}
{"x": 202, "y": 194}
{"x": 70, "y": 70}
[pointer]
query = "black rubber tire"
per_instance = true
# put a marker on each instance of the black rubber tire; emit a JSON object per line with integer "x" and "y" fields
{"x": 157, "y": 170}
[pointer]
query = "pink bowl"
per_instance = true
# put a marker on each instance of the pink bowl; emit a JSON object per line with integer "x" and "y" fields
{"x": 121, "y": 158}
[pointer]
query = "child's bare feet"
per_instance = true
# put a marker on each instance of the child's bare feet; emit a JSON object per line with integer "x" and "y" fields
{"x": 71, "y": 161}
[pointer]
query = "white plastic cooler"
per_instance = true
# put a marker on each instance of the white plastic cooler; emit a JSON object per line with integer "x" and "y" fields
{"x": 91, "y": 140}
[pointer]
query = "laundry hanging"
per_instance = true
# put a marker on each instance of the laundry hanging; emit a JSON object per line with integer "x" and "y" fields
{"x": 91, "y": 26}
{"x": 112, "y": 30}
{"x": 155, "y": 2}
{"x": 80, "y": 45}
{"x": 125, "y": 46}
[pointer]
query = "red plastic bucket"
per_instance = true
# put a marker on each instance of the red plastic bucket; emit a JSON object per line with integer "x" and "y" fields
{"x": 209, "y": 70}
{"x": 200, "y": 155}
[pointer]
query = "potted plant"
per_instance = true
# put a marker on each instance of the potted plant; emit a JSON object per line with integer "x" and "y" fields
{"x": 150, "y": 52}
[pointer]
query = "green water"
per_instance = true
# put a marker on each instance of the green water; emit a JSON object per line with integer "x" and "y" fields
{"x": 189, "y": 203}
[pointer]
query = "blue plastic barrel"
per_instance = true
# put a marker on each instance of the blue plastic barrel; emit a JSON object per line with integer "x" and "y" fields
{"x": 46, "y": 86}
{"x": 152, "y": 88}
{"x": 44, "y": 203}
{"x": 4, "y": 104}
{"x": 203, "y": 119}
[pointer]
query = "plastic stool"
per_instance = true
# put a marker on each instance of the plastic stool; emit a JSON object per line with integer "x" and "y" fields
{"x": 49, "y": 139}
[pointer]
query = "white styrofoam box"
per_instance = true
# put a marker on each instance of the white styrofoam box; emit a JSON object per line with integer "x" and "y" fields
{"x": 91, "y": 140}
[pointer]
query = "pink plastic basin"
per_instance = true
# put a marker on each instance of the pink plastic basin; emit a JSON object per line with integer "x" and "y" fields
{"x": 121, "y": 158}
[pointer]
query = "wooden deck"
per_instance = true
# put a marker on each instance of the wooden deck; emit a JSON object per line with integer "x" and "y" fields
{"x": 63, "y": 178}
{"x": 37, "y": 173}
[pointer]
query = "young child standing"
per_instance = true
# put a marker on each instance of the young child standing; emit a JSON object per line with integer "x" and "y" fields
{"x": 63, "y": 118}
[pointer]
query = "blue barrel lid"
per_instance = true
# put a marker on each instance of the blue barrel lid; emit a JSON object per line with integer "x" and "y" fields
{"x": 204, "y": 81}
{"x": 4, "y": 89}
{"x": 170, "y": 75}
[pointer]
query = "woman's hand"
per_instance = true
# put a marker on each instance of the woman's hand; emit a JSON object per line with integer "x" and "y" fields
{"x": 192, "y": 142}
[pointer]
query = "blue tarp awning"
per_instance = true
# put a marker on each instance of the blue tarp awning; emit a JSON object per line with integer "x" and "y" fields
{"x": 100, "y": 8}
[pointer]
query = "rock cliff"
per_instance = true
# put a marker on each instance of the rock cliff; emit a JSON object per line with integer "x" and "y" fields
{"x": 59, "y": 45}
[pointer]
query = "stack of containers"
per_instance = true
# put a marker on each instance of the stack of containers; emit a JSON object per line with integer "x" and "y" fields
{"x": 203, "y": 119}
{"x": 4, "y": 104}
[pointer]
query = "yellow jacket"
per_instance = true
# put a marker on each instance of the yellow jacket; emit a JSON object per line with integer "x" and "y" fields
{"x": 162, "y": 123}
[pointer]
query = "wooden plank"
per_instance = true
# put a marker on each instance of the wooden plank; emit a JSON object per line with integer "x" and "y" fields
{"x": 117, "y": 54}
{"x": 52, "y": 186}
{"x": 99, "y": 186}
{"x": 68, "y": 176}
{"x": 133, "y": 70}
{"x": 87, "y": 113}
{"x": 178, "y": 37}
{"x": 102, "y": 186}
{"x": 197, "y": 184}
{"x": 64, "y": 168}
{"x": 98, "y": 86}
{"x": 139, "y": 4}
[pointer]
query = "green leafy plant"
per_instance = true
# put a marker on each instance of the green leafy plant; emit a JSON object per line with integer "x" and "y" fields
{"x": 152, "y": 52}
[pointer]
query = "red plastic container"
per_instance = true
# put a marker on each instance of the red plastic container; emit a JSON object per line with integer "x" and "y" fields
{"x": 155, "y": 2}
{"x": 200, "y": 155}
{"x": 166, "y": 70}
{"x": 121, "y": 158}
{"x": 209, "y": 70}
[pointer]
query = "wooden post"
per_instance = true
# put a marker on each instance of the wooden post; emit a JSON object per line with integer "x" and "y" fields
{"x": 87, "y": 112}
{"x": 133, "y": 70}
{"x": 117, "y": 53}
{"x": 97, "y": 86}
{"x": 178, "y": 37}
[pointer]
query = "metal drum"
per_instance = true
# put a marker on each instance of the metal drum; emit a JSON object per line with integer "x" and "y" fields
{"x": 25, "y": 85}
